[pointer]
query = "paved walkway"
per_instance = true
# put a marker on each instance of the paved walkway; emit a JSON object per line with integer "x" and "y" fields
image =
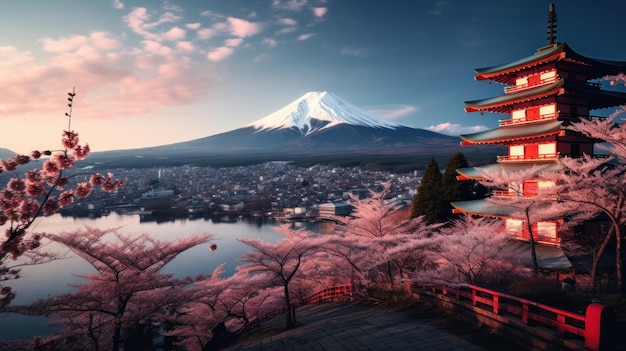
{"x": 345, "y": 326}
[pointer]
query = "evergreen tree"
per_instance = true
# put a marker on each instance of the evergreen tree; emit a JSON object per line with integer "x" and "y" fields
{"x": 455, "y": 190}
{"x": 429, "y": 199}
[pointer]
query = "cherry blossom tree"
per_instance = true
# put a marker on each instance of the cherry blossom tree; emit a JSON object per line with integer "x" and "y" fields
{"x": 597, "y": 185}
{"x": 40, "y": 192}
{"x": 378, "y": 242}
{"x": 473, "y": 251}
{"x": 284, "y": 262}
{"x": 127, "y": 289}
{"x": 531, "y": 208}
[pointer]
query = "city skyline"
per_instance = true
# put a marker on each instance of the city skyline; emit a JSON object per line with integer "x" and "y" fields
{"x": 154, "y": 73}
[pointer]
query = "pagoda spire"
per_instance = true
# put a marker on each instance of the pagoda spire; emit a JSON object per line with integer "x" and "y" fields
{"x": 551, "y": 25}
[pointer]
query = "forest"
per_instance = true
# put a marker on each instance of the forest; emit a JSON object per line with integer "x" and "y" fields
{"x": 129, "y": 303}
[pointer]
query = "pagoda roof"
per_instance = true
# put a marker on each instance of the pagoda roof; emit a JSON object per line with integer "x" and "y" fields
{"x": 549, "y": 257}
{"x": 517, "y": 132}
{"x": 596, "y": 68}
{"x": 505, "y": 103}
{"x": 485, "y": 208}
{"x": 476, "y": 173}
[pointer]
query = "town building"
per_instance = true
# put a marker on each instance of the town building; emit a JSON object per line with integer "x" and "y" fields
{"x": 543, "y": 94}
{"x": 334, "y": 209}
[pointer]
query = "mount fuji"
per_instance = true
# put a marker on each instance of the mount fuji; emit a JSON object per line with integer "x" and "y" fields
{"x": 318, "y": 126}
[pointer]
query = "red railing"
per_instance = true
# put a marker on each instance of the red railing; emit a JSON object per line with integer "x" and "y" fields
{"x": 516, "y": 88}
{"x": 565, "y": 323}
{"x": 551, "y": 156}
{"x": 334, "y": 294}
{"x": 515, "y": 121}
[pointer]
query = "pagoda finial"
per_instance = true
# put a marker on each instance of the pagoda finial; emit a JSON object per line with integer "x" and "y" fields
{"x": 551, "y": 25}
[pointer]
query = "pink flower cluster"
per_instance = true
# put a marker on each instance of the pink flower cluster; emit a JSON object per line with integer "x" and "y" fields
{"x": 22, "y": 200}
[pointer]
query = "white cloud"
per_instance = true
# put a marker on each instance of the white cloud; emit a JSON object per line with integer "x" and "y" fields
{"x": 118, "y": 5}
{"x": 352, "y": 52}
{"x": 270, "y": 42}
{"x": 439, "y": 7}
{"x": 287, "y": 21}
{"x": 290, "y": 5}
{"x": 456, "y": 129}
{"x": 262, "y": 57}
{"x": 306, "y": 36}
{"x": 286, "y": 30}
{"x": 392, "y": 111}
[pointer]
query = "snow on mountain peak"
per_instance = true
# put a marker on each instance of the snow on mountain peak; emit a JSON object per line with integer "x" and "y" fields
{"x": 324, "y": 106}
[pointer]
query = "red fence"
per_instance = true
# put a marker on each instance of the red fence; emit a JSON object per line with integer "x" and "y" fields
{"x": 567, "y": 325}
{"x": 334, "y": 294}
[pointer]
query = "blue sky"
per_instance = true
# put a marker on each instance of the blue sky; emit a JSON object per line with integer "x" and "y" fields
{"x": 158, "y": 72}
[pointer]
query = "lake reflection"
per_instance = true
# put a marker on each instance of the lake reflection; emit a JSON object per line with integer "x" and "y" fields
{"x": 53, "y": 278}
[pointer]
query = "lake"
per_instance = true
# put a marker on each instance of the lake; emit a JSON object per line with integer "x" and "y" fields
{"x": 53, "y": 278}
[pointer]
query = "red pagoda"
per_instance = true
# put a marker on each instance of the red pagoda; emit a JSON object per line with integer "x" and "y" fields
{"x": 543, "y": 93}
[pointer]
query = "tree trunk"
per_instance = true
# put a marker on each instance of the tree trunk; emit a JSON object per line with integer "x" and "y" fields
{"x": 533, "y": 252}
{"x": 290, "y": 313}
{"x": 115, "y": 338}
{"x": 618, "y": 259}
{"x": 596, "y": 260}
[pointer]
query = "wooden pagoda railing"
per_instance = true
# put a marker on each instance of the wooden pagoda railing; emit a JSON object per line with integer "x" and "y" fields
{"x": 551, "y": 156}
{"x": 516, "y": 88}
{"x": 524, "y": 120}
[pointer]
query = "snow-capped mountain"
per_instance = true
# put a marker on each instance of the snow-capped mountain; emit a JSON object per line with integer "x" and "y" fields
{"x": 318, "y": 110}
{"x": 317, "y": 126}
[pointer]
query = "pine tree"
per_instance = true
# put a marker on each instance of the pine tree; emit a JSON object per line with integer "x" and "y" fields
{"x": 455, "y": 190}
{"x": 429, "y": 199}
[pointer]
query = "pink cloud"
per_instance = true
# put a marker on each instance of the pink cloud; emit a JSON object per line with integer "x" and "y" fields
{"x": 176, "y": 33}
{"x": 157, "y": 48}
{"x": 234, "y": 42}
{"x": 319, "y": 12}
{"x": 185, "y": 46}
{"x": 242, "y": 28}
{"x": 220, "y": 53}
{"x": 208, "y": 33}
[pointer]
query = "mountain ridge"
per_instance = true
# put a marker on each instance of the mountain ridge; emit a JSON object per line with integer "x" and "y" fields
{"x": 316, "y": 126}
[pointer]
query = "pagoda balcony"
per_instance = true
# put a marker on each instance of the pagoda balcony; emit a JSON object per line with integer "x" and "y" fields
{"x": 528, "y": 158}
{"x": 524, "y": 120}
{"x": 504, "y": 193}
{"x": 539, "y": 239}
{"x": 517, "y": 88}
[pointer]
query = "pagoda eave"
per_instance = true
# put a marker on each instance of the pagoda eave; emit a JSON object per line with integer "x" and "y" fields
{"x": 504, "y": 103}
{"x": 504, "y": 135}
